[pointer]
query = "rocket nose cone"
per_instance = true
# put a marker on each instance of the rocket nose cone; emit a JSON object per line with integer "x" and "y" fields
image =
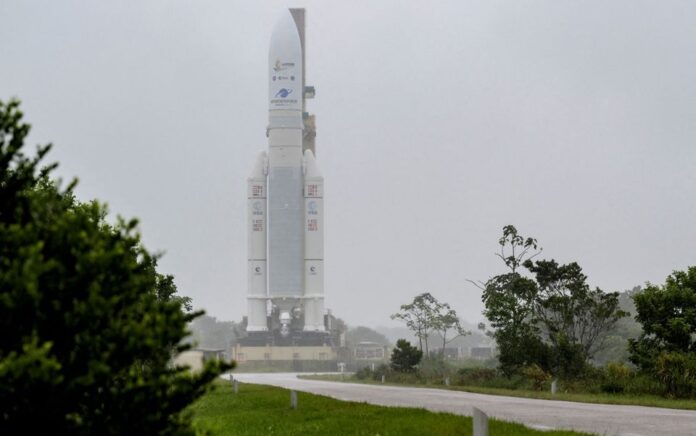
{"x": 285, "y": 64}
{"x": 285, "y": 42}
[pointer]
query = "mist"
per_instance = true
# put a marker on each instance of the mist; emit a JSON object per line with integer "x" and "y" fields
{"x": 437, "y": 124}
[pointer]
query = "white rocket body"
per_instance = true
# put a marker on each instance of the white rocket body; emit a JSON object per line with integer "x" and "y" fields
{"x": 285, "y": 201}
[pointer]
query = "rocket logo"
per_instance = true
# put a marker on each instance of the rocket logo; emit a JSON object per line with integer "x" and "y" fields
{"x": 280, "y": 66}
{"x": 283, "y": 93}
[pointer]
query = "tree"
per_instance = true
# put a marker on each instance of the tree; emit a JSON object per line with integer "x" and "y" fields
{"x": 405, "y": 357}
{"x": 89, "y": 324}
{"x": 509, "y": 306}
{"x": 419, "y": 316}
{"x": 569, "y": 311}
{"x": 668, "y": 316}
{"x": 554, "y": 320}
{"x": 446, "y": 321}
{"x": 615, "y": 348}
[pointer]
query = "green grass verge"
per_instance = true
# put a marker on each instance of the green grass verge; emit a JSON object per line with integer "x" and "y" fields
{"x": 265, "y": 410}
{"x": 578, "y": 397}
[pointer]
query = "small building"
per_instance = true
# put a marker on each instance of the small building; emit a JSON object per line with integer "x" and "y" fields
{"x": 448, "y": 353}
{"x": 481, "y": 353}
{"x": 369, "y": 351}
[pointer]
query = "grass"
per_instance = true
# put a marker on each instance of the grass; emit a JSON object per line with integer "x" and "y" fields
{"x": 265, "y": 410}
{"x": 578, "y": 397}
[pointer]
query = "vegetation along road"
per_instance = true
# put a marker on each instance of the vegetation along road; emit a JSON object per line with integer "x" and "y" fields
{"x": 542, "y": 414}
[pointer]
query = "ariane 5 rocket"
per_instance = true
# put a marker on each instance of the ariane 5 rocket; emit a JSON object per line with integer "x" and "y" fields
{"x": 285, "y": 201}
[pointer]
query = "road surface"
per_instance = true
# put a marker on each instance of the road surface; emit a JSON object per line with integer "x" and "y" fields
{"x": 604, "y": 419}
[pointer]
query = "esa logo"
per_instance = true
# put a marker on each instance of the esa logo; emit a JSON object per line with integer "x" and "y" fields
{"x": 283, "y": 93}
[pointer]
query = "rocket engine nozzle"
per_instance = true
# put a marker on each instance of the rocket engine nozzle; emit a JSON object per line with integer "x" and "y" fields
{"x": 285, "y": 319}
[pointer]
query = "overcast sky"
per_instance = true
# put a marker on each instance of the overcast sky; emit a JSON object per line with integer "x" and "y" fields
{"x": 438, "y": 124}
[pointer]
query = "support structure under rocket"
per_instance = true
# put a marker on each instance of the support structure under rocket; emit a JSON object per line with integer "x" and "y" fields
{"x": 285, "y": 205}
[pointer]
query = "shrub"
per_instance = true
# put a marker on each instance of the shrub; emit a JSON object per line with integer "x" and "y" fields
{"x": 615, "y": 377}
{"x": 537, "y": 376}
{"x": 381, "y": 370}
{"x": 89, "y": 324}
{"x": 364, "y": 373}
{"x": 640, "y": 384}
{"x": 405, "y": 357}
{"x": 678, "y": 373}
{"x": 435, "y": 369}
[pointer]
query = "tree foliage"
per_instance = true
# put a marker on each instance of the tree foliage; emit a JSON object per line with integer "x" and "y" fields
{"x": 553, "y": 320}
{"x": 615, "y": 347}
{"x": 509, "y": 301}
{"x": 447, "y": 322}
{"x": 418, "y": 316}
{"x": 515, "y": 249}
{"x": 667, "y": 344}
{"x": 424, "y": 315}
{"x": 568, "y": 310}
{"x": 89, "y": 324}
{"x": 405, "y": 357}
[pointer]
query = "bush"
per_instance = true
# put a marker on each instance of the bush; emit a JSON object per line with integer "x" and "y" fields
{"x": 434, "y": 368}
{"x": 615, "y": 377}
{"x": 677, "y": 371}
{"x": 89, "y": 325}
{"x": 405, "y": 357}
{"x": 381, "y": 370}
{"x": 537, "y": 376}
{"x": 640, "y": 384}
{"x": 364, "y": 373}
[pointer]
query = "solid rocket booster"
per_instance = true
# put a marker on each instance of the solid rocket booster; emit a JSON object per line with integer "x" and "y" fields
{"x": 256, "y": 246}
{"x": 285, "y": 200}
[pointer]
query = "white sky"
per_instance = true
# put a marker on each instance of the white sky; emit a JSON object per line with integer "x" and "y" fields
{"x": 438, "y": 124}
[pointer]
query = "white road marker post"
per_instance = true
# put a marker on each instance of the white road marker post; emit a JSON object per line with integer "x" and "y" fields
{"x": 554, "y": 387}
{"x": 480, "y": 422}
{"x": 235, "y": 386}
{"x": 382, "y": 378}
{"x": 293, "y": 400}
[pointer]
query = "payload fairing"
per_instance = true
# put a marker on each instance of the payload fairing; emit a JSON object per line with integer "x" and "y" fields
{"x": 285, "y": 205}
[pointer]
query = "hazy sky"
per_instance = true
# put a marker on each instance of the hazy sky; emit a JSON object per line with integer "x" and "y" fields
{"x": 438, "y": 124}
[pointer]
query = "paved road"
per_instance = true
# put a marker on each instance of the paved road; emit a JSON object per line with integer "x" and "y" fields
{"x": 603, "y": 419}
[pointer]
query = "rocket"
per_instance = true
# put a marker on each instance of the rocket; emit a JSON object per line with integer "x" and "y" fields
{"x": 285, "y": 200}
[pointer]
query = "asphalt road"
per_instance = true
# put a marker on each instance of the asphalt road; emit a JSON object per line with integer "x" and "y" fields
{"x": 602, "y": 419}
